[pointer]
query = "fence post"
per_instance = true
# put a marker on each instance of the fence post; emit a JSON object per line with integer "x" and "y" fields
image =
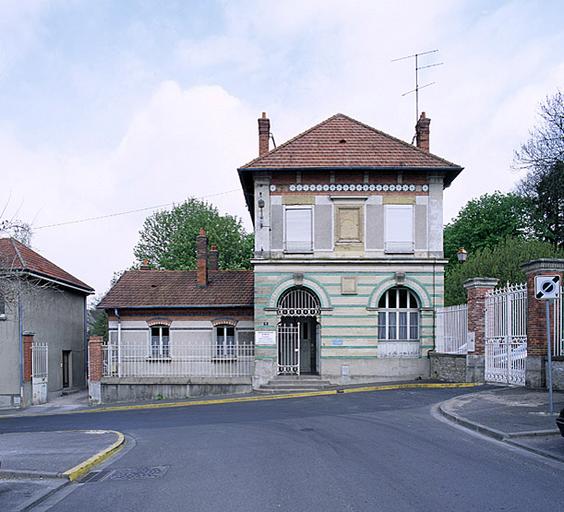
{"x": 27, "y": 339}
{"x": 476, "y": 289}
{"x": 95, "y": 368}
{"x": 535, "y": 376}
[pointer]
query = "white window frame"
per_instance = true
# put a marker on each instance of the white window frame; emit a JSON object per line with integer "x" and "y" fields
{"x": 297, "y": 249}
{"x": 395, "y": 313}
{"x": 223, "y": 350}
{"x": 392, "y": 243}
{"x": 163, "y": 349}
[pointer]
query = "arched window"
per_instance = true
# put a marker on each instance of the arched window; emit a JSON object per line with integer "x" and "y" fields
{"x": 398, "y": 315}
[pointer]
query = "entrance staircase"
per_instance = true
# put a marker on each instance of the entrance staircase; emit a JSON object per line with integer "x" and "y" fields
{"x": 294, "y": 384}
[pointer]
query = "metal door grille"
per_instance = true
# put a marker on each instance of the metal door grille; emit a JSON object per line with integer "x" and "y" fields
{"x": 298, "y": 302}
{"x": 289, "y": 349}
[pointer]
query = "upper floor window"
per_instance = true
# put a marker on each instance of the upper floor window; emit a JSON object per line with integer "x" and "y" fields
{"x": 225, "y": 341}
{"x": 398, "y": 315}
{"x": 399, "y": 228}
{"x": 160, "y": 337}
{"x": 298, "y": 229}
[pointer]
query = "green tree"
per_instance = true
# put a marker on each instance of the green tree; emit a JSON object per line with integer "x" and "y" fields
{"x": 485, "y": 222}
{"x": 502, "y": 261}
{"x": 168, "y": 238}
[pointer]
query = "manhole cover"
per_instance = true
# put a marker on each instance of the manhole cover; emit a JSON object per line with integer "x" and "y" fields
{"x": 143, "y": 473}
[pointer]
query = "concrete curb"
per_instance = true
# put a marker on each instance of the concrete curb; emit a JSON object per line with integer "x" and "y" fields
{"x": 82, "y": 468}
{"x": 509, "y": 438}
{"x": 258, "y": 398}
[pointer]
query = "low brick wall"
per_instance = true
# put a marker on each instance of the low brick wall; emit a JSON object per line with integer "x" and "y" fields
{"x": 448, "y": 367}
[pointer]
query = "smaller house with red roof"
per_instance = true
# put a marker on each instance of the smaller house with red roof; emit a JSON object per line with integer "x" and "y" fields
{"x": 175, "y": 333}
{"x": 42, "y": 327}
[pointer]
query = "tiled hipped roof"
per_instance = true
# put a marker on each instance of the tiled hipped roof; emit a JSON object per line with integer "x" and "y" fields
{"x": 170, "y": 288}
{"x": 343, "y": 142}
{"x": 18, "y": 257}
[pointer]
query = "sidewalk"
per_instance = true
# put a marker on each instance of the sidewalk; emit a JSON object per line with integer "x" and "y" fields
{"x": 517, "y": 416}
{"x": 33, "y": 465}
{"x": 63, "y": 403}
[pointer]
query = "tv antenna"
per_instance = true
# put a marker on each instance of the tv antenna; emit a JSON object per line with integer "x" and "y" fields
{"x": 417, "y": 68}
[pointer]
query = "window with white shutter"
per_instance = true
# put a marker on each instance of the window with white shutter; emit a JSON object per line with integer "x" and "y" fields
{"x": 399, "y": 228}
{"x": 298, "y": 229}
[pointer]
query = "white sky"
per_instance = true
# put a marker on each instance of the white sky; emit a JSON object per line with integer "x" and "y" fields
{"x": 109, "y": 106}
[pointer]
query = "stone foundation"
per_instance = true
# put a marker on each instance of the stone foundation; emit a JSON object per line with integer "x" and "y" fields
{"x": 114, "y": 389}
{"x": 448, "y": 367}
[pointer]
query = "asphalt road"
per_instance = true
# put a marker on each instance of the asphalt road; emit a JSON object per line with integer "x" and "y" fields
{"x": 379, "y": 451}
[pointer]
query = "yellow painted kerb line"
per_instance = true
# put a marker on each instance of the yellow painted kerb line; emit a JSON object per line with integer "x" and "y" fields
{"x": 262, "y": 398}
{"x": 88, "y": 464}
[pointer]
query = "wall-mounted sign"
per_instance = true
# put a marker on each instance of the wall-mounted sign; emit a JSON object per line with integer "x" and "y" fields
{"x": 336, "y": 342}
{"x": 265, "y": 337}
{"x": 547, "y": 287}
{"x": 470, "y": 341}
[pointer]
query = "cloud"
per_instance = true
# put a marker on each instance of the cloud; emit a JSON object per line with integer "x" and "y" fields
{"x": 184, "y": 142}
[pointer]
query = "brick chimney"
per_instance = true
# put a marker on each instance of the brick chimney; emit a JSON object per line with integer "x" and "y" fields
{"x": 213, "y": 258}
{"x": 202, "y": 258}
{"x": 264, "y": 134}
{"x": 422, "y": 132}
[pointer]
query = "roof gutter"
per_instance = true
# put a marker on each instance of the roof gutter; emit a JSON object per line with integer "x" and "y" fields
{"x": 196, "y": 306}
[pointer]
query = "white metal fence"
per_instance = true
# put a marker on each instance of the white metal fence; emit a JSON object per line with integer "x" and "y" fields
{"x": 200, "y": 358}
{"x": 452, "y": 330}
{"x": 39, "y": 351}
{"x": 558, "y": 317}
{"x": 506, "y": 335}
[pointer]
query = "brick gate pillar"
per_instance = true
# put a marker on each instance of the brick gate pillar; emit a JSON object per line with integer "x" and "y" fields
{"x": 95, "y": 368}
{"x": 476, "y": 289}
{"x": 535, "y": 376}
{"x": 27, "y": 341}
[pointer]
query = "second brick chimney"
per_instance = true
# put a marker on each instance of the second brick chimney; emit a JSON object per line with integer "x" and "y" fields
{"x": 264, "y": 134}
{"x": 213, "y": 258}
{"x": 202, "y": 258}
{"x": 422, "y": 132}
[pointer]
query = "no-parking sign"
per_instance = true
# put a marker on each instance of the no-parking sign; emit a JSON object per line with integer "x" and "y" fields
{"x": 547, "y": 287}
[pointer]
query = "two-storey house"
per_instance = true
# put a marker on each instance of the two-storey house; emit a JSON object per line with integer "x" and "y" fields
{"x": 348, "y": 261}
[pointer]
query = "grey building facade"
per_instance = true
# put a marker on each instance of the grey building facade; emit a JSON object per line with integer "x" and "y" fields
{"x": 40, "y": 299}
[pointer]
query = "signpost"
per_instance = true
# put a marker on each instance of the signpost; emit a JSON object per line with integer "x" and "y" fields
{"x": 547, "y": 288}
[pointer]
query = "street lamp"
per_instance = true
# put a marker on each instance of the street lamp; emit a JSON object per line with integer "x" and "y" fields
{"x": 462, "y": 254}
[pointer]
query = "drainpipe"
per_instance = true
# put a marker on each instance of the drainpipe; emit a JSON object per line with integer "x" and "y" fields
{"x": 85, "y": 341}
{"x": 116, "y": 312}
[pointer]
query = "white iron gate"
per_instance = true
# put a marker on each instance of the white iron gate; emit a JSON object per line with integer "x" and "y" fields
{"x": 288, "y": 349}
{"x": 558, "y": 317}
{"x": 39, "y": 353}
{"x": 506, "y": 335}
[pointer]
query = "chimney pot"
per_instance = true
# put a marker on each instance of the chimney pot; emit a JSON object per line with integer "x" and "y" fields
{"x": 264, "y": 134}
{"x": 422, "y": 132}
{"x": 202, "y": 258}
{"x": 213, "y": 258}
{"x": 145, "y": 265}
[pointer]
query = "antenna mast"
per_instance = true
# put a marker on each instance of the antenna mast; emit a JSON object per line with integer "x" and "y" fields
{"x": 416, "y": 56}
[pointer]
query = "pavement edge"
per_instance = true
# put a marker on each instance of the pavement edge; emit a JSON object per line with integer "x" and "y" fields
{"x": 80, "y": 469}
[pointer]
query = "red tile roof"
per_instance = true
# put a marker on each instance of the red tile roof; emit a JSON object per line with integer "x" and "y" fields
{"x": 170, "y": 288}
{"x": 17, "y": 256}
{"x": 343, "y": 142}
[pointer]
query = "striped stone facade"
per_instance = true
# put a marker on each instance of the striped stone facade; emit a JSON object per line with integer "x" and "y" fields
{"x": 349, "y": 348}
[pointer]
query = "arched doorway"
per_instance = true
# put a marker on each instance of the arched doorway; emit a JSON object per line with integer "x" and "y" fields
{"x": 298, "y": 332}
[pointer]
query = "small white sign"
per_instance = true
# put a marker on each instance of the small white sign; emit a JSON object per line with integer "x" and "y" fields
{"x": 265, "y": 338}
{"x": 470, "y": 341}
{"x": 547, "y": 287}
